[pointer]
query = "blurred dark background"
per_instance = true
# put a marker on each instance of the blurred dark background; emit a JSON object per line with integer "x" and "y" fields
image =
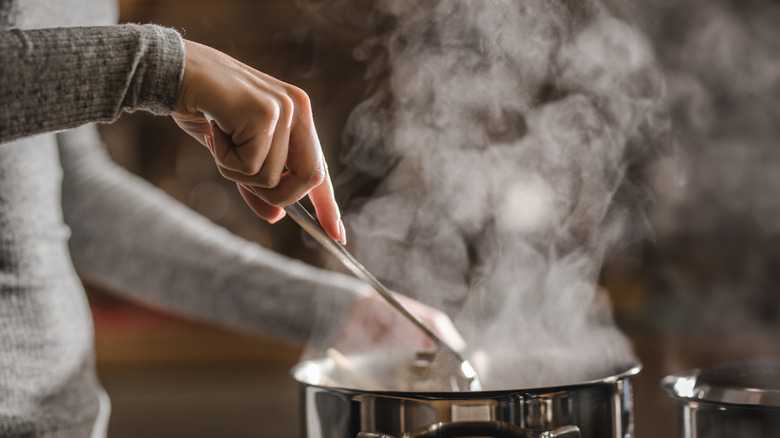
{"x": 702, "y": 292}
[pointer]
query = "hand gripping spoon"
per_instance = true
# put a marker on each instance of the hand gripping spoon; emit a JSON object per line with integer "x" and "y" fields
{"x": 461, "y": 374}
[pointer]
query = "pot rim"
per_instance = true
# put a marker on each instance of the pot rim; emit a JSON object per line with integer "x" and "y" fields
{"x": 304, "y": 368}
{"x": 697, "y": 385}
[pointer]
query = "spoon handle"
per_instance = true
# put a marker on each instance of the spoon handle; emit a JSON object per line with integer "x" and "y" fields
{"x": 302, "y": 217}
{"x": 465, "y": 377}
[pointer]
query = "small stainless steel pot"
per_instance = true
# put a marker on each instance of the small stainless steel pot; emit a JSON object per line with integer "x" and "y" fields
{"x": 736, "y": 400}
{"x": 600, "y": 408}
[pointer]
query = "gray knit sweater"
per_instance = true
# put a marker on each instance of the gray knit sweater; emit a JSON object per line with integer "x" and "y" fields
{"x": 64, "y": 207}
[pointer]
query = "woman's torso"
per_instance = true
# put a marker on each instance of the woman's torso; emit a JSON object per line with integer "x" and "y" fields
{"x": 47, "y": 381}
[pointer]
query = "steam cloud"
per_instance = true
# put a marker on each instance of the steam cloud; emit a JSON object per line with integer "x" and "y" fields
{"x": 718, "y": 212}
{"x": 499, "y": 144}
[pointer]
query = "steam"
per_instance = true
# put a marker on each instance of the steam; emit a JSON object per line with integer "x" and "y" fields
{"x": 499, "y": 141}
{"x": 718, "y": 211}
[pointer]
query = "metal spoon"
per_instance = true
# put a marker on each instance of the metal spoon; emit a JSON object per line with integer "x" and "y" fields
{"x": 462, "y": 376}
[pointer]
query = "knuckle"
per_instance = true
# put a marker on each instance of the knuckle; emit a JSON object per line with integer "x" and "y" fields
{"x": 274, "y": 112}
{"x": 265, "y": 116}
{"x": 318, "y": 175}
{"x": 262, "y": 109}
{"x": 286, "y": 103}
{"x": 233, "y": 172}
{"x": 290, "y": 109}
{"x": 299, "y": 97}
{"x": 249, "y": 168}
{"x": 266, "y": 181}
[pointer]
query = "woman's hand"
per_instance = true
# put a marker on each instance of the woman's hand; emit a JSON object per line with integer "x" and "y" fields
{"x": 372, "y": 322}
{"x": 260, "y": 127}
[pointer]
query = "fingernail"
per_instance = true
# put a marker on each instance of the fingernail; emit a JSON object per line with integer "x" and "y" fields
{"x": 281, "y": 216}
{"x": 342, "y": 232}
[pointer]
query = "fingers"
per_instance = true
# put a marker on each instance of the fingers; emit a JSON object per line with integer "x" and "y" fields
{"x": 437, "y": 320}
{"x": 308, "y": 171}
{"x": 270, "y": 187}
{"x": 261, "y": 208}
{"x": 273, "y": 167}
{"x": 260, "y": 126}
{"x": 243, "y": 159}
{"x": 256, "y": 155}
{"x": 328, "y": 213}
{"x": 372, "y": 322}
{"x": 304, "y": 160}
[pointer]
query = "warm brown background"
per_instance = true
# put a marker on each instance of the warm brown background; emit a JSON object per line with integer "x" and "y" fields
{"x": 173, "y": 378}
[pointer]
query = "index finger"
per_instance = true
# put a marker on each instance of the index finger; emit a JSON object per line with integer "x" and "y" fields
{"x": 327, "y": 209}
{"x": 307, "y": 171}
{"x": 308, "y": 174}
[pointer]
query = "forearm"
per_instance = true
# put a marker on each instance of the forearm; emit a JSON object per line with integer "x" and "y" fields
{"x": 131, "y": 238}
{"x": 54, "y": 79}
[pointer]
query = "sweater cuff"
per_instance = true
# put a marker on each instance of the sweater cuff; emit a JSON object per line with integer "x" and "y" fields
{"x": 157, "y": 79}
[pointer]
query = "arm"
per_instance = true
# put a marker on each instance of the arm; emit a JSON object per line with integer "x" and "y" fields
{"x": 263, "y": 136}
{"x": 129, "y": 237}
{"x": 54, "y": 79}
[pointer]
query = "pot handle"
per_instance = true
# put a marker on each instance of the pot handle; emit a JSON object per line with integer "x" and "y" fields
{"x": 465, "y": 429}
{"x": 562, "y": 432}
{"x": 489, "y": 429}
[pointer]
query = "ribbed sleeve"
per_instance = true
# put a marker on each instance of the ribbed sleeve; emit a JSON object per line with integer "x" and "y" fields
{"x": 54, "y": 79}
{"x": 130, "y": 238}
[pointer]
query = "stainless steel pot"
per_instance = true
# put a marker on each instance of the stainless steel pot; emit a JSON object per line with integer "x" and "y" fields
{"x": 600, "y": 408}
{"x": 736, "y": 400}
